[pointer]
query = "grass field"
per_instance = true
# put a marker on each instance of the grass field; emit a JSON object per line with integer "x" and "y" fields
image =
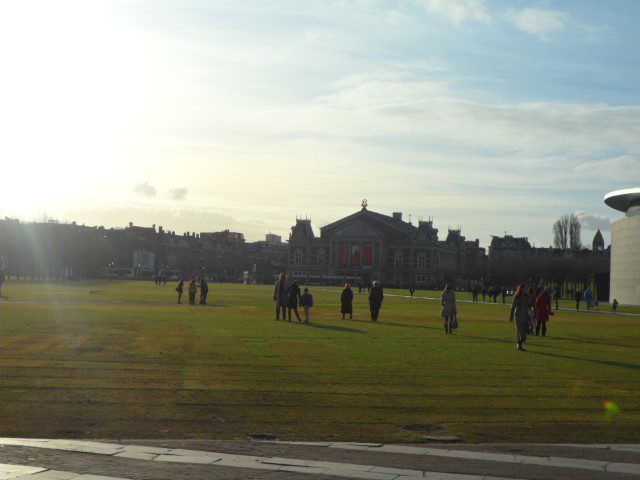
{"x": 122, "y": 360}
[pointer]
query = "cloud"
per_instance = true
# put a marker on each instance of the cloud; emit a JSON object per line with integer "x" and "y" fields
{"x": 594, "y": 222}
{"x": 145, "y": 190}
{"x": 621, "y": 167}
{"x": 178, "y": 193}
{"x": 539, "y": 22}
{"x": 458, "y": 11}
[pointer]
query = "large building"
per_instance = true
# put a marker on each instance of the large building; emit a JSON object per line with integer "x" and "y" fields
{"x": 625, "y": 246}
{"x": 368, "y": 245}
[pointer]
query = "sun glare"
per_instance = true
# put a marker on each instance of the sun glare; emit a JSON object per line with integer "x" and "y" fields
{"x": 73, "y": 90}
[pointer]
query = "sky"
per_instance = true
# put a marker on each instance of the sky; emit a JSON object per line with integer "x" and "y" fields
{"x": 492, "y": 116}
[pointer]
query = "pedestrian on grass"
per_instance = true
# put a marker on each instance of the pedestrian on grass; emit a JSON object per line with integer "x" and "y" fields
{"x": 474, "y": 293}
{"x": 614, "y": 306}
{"x": 204, "y": 291}
{"x": 346, "y": 302}
{"x": 193, "y": 289}
{"x": 180, "y": 289}
{"x": 556, "y": 297}
{"x": 293, "y": 298}
{"x": 412, "y": 290}
{"x": 306, "y": 302}
{"x": 503, "y": 292}
{"x": 519, "y": 311}
{"x": 531, "y": 310}
{"x": 449, "y": 310}
{"x": 376, "y": 296}
{"x": 587, "y": 297}
{"x": 279, "y": 296}
{"x": 543, "y": 310}
{"x": 484, "y": 293}
{"x": 578, "y": 296}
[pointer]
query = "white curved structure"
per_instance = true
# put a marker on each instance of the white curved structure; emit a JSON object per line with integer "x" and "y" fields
{"x": 625, "y": 247}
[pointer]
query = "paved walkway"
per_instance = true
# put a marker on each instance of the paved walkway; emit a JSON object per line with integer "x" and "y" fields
{"x": 42, "y": 459}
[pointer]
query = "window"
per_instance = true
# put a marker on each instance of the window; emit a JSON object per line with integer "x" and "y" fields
{"x": 297, "y": 256}
{"x": 322, "y": 256}
{"x": 422, "y": 261}
{"x": 397, "y": 258}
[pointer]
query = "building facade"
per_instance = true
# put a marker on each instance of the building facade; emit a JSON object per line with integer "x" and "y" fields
{"x": 367, "y": 245}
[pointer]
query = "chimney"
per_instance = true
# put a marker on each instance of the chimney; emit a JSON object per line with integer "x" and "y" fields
{"x": 397, "y": 216}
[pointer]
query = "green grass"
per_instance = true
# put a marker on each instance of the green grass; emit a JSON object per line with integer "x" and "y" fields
{"x": 125, "y": 361}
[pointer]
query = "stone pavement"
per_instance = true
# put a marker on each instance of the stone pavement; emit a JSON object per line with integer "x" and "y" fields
{"x": 42, "y": 459}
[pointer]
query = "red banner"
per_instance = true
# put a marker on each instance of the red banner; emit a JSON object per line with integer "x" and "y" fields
{"x": 344, "y": 254}
{"x": 367, "y": 254}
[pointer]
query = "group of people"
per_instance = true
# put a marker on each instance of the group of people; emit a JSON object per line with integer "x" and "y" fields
{"x": 376, "y": 296}
{"x": 287, "y": 297}
{"x": 491, "y": 291}
{"x": 192, "y": 289}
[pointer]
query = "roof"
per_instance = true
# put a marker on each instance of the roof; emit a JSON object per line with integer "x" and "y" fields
{"x": 622, "y": 200}
{"x": 396, "y": 224}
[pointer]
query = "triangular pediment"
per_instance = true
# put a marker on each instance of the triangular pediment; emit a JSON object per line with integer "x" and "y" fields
{"x": 357, "y": 229}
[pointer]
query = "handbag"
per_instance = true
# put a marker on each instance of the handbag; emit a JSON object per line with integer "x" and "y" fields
{"x": 454, "y": 323}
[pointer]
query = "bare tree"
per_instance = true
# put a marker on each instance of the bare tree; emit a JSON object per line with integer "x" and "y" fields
{"x": 561, "y": 232}
{"x": 574, "y": 232}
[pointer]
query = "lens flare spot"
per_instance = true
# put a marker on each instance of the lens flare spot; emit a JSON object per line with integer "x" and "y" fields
{"x": 611, "y": 409}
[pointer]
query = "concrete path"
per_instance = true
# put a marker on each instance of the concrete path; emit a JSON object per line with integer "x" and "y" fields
{"x": 43, "y": 459}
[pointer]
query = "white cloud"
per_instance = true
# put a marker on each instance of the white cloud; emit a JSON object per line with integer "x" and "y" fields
{"x": 178, "y": 193}
{"x": 145, "y": 190}
{"x": 594, "y": 222}
{"x": 459, "y": 11}
{"x": 539, "y": 22}
{"x": 617, "y": 168}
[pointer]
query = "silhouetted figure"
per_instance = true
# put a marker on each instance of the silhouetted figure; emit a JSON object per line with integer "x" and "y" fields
{"x": 614, "y": 305}
{"x": 556, "y": 297}
{"x": 204, "y": 291}
{"x": 484, "y": 293}
{"x": 180, "y": 289}
{"x": 306, "y": 302}
{"x": 474, "y": 293}
{"x": 503, "y": 292}
{"x": 587, "y": 298}
{"x": 449, "y": 310}
{"x": 412, "y": 290}
{"x": 280, "y": 296}
{"x": 531, "y": 312}
{"x": 519, "y": 311}
{"x": 346, "y": 302}
{"x": 164, "y": 279}
{"x": 376, "y": 296}
{"x": 293, "y": 298}
{"x": 578, "y": 296}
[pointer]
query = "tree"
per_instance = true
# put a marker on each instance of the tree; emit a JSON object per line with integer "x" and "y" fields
{"x": 566, "y": 232}
{"x": 561, "y": 232}
{"x": 574, "y": 232}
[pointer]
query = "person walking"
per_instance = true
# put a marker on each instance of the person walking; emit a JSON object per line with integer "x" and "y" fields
{"x": 180, "y": 289}
{"x": 484, "y": 293}
{"x": 306, "y": 302}
{"x": 346, "y": 302}
{"x": 556, "y": 297}
{"x": 279, "y": 296}
{"x": 519, "y": 312}
{"x": 587, "y": 298}
{"x": 474, "y": 293}
{"x": 531, "y": 310}
{"x": 376, "y": 296}
{"x": 293, "y": 298}
{"x": 503, "y": 292}
{"x": 449, "y": 310}
{"x": 543, "y": 310}
{"x": 193, "y": 289}
{"x": 614, "y": 306}
{"x": 578, "y": 296}
{"x": 204, "y": 291}
{"x": 412, "y": 290}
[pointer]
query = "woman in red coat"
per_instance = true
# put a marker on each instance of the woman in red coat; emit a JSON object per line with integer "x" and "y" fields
{"x": 543, "y": 310}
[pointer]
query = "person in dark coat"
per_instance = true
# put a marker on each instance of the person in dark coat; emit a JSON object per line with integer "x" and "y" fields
{"x": 204, "y": 291}
{"x": 520, "y": 312}
{"x": 449, "y": 310}
{"x": 346, "y": 302}
{"x": 376, "y": 296}
{"x": 578, "y": 298}
{"x": 180, "y": 289}
{"x": 293, "y": 298}
{"x": 279, "y": 296}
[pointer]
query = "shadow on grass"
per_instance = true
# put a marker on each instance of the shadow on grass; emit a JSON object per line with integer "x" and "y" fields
{"x": 609, "y": 363}
{"x": 337, "y": 328}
